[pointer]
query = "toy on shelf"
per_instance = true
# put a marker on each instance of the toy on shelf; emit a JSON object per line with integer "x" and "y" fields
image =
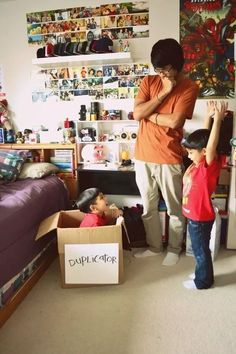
{"x": 94, "y": 153}
{"x": 20, "y": 138}
{"x": 27, "y": 133}
{"x": 4, "y": 113}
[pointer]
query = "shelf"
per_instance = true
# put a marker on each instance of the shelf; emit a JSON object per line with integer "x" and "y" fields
{"x": 109, "y": 121}
{"x": 108, "y": 142}
{"x": 102, "y": 58}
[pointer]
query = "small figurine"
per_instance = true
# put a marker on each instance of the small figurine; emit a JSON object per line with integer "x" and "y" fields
{"x": 19, "y": 138}
{"x": 121, "y": 45}
{"x": 27, "y": 132}
{"x": 70, "y": 136}
{"x": 126, "y": 46}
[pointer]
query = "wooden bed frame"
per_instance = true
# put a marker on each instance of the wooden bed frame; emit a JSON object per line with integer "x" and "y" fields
{"x": 7, "y": 310}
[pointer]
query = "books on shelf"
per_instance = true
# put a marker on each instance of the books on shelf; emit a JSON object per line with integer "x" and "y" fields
{"x": 63, "y": 159}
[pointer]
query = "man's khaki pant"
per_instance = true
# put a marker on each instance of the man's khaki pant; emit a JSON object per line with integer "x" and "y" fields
{"x": 152, "y": 178}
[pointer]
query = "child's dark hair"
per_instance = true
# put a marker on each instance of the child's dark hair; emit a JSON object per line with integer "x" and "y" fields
{"x": 167, "y": 52}
{"x": 86, "y": 199}
{"x": 197, "y": 140}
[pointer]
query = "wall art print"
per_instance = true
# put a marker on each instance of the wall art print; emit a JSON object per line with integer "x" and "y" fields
{"x": 207, "y": 30}
{"x": 100, "y": 82}
{"x": 121, "y": 21}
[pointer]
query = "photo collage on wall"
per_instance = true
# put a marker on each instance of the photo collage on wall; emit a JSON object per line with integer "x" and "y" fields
{"x": 120, "y": 21}
{"x": 119, "y": 81}
{"x": 207, "y": 35}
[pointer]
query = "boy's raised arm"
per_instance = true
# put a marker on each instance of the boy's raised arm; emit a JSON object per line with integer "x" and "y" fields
{"x": 218, "y": 116}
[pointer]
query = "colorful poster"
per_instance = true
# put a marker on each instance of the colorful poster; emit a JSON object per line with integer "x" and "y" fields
{"x": 207, "y": 35}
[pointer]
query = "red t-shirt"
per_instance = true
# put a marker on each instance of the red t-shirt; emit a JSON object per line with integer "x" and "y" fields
{"x": 199, "y": 183}
{"x": 93, "y": 220}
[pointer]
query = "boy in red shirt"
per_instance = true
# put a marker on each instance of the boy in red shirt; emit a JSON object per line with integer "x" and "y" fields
{"x": 95, "y": 206}
{"x": 199, "y": 183}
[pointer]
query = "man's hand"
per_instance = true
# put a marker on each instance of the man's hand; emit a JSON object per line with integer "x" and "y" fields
{"x": 168, "y": 84}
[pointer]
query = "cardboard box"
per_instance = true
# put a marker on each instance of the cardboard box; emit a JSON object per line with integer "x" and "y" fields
{"x": 214, "y": 241}
{"x": 88, "y": 256}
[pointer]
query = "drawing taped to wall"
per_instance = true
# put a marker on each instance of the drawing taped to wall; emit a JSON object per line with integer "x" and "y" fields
{"x": 207, "y": 36}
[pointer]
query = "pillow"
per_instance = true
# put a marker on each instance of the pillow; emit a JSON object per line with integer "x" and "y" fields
{"x": 11, "y": 163}
{"x": 37, "y": 170}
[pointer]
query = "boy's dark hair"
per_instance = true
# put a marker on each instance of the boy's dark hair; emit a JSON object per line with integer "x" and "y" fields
{"x": 86, "y": 199}
{"x": 197, "y": 140}
{"x": 167, "y": 52}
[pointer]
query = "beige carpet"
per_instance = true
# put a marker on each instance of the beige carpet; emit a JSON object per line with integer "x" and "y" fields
{"x": 150, "y": 313}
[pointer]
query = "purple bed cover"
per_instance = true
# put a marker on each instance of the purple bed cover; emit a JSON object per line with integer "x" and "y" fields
{"x": 23, "y": 205}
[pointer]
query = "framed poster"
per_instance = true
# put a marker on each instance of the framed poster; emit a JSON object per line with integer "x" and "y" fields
{"x": 207, "y": 36}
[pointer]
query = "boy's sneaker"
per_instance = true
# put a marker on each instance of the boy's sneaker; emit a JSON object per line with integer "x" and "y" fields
{"x": 189, "y": 284}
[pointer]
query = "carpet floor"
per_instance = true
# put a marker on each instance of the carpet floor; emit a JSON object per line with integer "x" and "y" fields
{"x": 151, "y": 313}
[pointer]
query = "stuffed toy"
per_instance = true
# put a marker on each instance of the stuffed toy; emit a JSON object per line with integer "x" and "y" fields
{"x": 94, "y": 153}
{"x": 19, "y": 138}
{"x": 4, "y": 120}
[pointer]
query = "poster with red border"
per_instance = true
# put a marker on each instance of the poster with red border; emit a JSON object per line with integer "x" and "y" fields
{"x": 207, "y": 30}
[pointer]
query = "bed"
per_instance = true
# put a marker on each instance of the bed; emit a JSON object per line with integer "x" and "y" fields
{"x": 24, "y": 203}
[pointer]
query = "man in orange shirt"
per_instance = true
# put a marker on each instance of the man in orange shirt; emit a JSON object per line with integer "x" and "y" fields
{"x": 162, "y": 105}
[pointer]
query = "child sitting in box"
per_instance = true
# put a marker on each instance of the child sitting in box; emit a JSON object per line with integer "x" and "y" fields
{"x": 95, "y": 206}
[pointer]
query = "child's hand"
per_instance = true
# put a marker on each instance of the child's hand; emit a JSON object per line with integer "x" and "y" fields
{"x": 220, "y": 111}
{"x": 211, "y": 108}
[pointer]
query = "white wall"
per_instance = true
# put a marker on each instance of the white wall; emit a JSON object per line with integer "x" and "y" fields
{"x": 16, "y": 56}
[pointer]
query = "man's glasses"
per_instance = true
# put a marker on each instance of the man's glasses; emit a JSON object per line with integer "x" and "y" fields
{"x": 162, "y": 71}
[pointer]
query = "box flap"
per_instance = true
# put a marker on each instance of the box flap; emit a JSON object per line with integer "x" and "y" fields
{"x": 48, "y": 225}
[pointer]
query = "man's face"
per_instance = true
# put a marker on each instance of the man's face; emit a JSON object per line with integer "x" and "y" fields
{"x": 166, "y": 71}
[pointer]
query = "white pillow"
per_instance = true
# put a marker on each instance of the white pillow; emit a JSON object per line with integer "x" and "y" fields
{"x": 37, "y": 170}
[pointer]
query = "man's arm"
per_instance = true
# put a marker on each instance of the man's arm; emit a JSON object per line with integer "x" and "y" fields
{"x": 143, "y": 109}
{"x": 219, "y": 114}
{"x": 147, "y": 109}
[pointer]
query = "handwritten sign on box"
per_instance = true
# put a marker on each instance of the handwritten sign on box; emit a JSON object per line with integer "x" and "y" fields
{"x": 92, "y": 263}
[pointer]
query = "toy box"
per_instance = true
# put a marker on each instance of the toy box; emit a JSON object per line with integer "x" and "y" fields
{"x": 88, "y": 256}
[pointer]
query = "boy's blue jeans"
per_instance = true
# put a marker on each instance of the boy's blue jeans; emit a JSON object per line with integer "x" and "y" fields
{"x": 200, "y": 234}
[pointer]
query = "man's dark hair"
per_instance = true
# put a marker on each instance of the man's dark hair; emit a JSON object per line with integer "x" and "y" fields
{"x": 167, "y": 52}
{"x": 197, "y": 140}
{"x": 86, "y": 199}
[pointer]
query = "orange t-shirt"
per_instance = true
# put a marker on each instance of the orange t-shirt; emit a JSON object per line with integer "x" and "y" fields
{"x": 159, "y": 144}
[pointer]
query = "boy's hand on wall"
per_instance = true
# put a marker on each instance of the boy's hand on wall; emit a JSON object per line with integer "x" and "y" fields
{"x": 220, "y": 110}
{"x": 211, "y": 108}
